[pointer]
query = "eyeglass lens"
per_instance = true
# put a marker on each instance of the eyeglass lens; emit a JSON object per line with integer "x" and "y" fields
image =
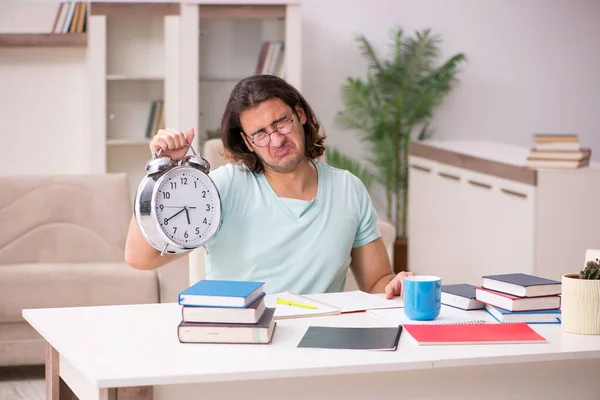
{"x": 263, "y": 138}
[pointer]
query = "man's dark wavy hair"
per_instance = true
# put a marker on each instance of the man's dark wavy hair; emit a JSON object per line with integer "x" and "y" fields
{"x": 248, "y": 93}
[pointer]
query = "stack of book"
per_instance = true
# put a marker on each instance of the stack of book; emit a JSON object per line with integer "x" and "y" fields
{"x": 520, "y": 298}
{"x": 221, "y": 311}
{"x": 557, "y": 151}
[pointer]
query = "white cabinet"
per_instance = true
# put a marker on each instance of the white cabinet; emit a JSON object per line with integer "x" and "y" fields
{"x": 475, "y": 210}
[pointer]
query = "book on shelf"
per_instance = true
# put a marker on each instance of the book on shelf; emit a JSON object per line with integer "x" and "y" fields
{"x": 529, "y": 317}
{"x": 522, "y": 285}
{"x": 156, "y": 118}
{"x": 271, "y": 58}
{"x": 260, "y": 332}
{"x": 471, "y": 333}
{"x": 71, "y": 17}
{"x": 511, "y": 302}
{"x": 461, "y": 296}
{"x": 221, "y": 293}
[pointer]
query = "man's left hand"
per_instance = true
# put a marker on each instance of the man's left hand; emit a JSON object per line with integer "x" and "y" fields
{"x": 394, "y": 288}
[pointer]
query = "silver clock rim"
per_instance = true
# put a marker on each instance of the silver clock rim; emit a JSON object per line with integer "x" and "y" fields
{"x": 144, "y": 219}
{"x": 212, "y": 231}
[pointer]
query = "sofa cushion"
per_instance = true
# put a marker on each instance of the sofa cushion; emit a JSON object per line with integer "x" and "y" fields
{"x": 44, "y": 285}
{"x": 20, "y": 344}
{"x": 63, "y": 218}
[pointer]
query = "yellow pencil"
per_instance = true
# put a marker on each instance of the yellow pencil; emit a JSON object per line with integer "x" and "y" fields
{"x": 296, "y": 304}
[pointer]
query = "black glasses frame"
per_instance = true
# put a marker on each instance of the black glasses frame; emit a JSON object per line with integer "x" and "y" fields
{"x": 275, "y": 129}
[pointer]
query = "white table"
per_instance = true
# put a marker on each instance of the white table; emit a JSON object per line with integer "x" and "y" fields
{"x": 97, "y": 349}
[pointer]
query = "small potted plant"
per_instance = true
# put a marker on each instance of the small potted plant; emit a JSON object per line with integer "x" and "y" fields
{"x": 581, "y": 297}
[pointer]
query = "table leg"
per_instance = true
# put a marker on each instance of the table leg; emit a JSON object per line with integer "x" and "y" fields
{"x": 52, "y": 377}
{"x": 108, "y": 394}
{"x": 56, "y": 388}
{"x": 135, "y": 393}
{"x": 127, "y": 393}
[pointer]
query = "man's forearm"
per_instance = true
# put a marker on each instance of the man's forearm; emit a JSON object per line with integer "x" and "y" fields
{"x": 379, "y": 287}
{"x": 139, "y": 254}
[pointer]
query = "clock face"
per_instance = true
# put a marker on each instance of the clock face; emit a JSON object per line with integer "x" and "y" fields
{"x": 187, "y": 206}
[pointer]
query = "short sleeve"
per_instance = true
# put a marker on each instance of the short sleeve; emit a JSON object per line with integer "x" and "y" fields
{"x": 223, "y": 177}
{"x": 367, "y": 229}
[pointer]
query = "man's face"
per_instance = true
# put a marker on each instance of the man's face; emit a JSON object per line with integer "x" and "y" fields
{"x": 283, "y": 153}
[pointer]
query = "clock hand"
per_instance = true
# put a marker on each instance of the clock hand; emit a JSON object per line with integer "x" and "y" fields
{"x": 177, "y": 207}
{"x": 187, "y": 214}
{"x": 176, "y": 214}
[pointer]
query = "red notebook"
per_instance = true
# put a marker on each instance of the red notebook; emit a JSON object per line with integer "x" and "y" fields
{"x": 472, "y": 333}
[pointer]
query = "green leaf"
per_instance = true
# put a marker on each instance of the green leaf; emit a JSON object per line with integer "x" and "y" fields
{"x": 395, "y": 104}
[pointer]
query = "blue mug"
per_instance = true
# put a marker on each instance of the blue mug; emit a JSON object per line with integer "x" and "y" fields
{"x": 422, "y": 297}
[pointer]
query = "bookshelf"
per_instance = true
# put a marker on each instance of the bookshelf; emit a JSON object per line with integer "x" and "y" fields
{"x": 230, "y": 40}
{"x": 190, "y": 54}
{"x": 132, "y": 62}
{"x": 43, "y": 40}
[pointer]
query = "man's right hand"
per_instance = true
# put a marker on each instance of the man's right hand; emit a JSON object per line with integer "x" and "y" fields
{"x": 174, "y": 143}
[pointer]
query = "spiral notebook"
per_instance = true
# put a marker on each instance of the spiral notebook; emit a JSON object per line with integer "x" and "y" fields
{"x": 472, "y": 332}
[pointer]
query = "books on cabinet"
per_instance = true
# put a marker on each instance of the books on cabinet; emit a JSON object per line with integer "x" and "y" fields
{"x": 558, "y": 151}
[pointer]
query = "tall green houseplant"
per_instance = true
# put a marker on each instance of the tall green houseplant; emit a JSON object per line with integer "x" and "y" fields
{"x": 394, "y": 105}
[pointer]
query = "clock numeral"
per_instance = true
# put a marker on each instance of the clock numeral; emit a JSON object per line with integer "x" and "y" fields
{"x": 173, "y": 185}
{"x": 204, "y": 221}
{"x": 185, "y": 235}
{"x": 195, "y": 185}
{"x": 208, "y": 207}
{"x": 204, "y": 194}
{"x": 166, "y": 195}
{"x": 161, "y": 207}
{"x": 198, "y": 230}
{"x": 166, "y": 221}
{"x": 184, "y": 180}
{"x": 174, "y": 230}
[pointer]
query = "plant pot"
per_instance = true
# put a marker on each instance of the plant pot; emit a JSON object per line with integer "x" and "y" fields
{"x": 580, "y": 306}
{"x": 400, "y": 255}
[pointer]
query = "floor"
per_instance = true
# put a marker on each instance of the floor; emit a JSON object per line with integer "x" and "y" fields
{"x": 23, "y": 383}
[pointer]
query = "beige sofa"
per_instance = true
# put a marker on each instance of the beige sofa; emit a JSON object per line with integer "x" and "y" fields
{"x": 212, "y": 151}
{"x": 62, "y": 241}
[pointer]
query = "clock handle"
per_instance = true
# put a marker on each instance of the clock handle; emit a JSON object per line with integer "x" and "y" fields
{"x": 196, "y": 161}
{"x": 158, "y": 164}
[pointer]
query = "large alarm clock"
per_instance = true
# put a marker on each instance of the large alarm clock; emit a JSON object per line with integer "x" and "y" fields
{"x": 177, "y": 205}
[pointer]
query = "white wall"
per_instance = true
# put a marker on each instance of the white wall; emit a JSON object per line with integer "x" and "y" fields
{"x": 533, "y": 64}
{"x": 42, "y": 98}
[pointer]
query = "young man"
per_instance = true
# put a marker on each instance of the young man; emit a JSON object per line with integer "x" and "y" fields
{"x": 288, "y": 220}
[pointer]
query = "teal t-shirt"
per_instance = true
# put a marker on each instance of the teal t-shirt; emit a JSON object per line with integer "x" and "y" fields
{"x": 291, "y": 245}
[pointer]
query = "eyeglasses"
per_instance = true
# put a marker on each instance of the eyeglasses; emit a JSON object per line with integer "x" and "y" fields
{"x": 262, "y": 138}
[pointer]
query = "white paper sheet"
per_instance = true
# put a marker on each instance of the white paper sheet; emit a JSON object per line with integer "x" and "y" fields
{"x": 283, "y": 311}
{"x": 356, "y": 301}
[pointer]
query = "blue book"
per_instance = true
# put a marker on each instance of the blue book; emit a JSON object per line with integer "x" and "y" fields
{"x": 529, "y": 317}
{"x": 461, "y": 296}
{"x": 522, "y": 285}
{"x": 221, "y": 293}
